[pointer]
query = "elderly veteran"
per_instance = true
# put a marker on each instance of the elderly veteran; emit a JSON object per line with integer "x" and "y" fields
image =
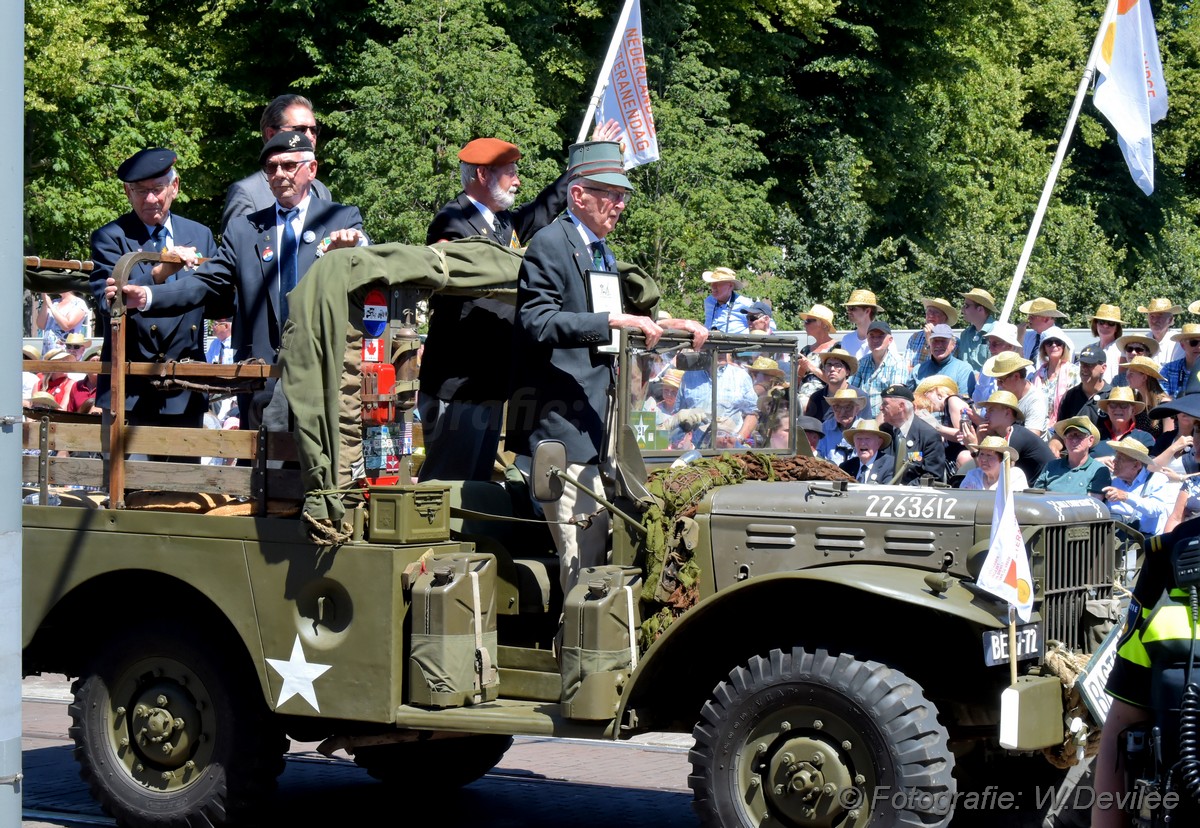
{"x": 759, "y": 317}
{"x": 1003, "y": 415}
{"x": 1118, "y": 420}
{"x": 838, "y": 367}
{"x": 724, "y": 306}
{"x": 863, "y": 309}
{"x": 845, "y": 407}
{"x": 1000, "y": 339}
{"x": 1078, "y": 472}
{"x": 1011, "y": 374}
{"x": 937, "y": 312}
{"x": 1160, "y": 316}
{"x": 1138, "y": 496}
{"x": 1182, "y": 376}
{"x": 989, "y": 460}
{"x": 1084, "y": 398}
{"x": 870, "y": 463}
{"x": 917, "y": 448}
{"x": 942, "y": 360}
{"x": 1040, "y": 314}
{"x": 978, "y": 310}
{"x": 1107, "y": 327}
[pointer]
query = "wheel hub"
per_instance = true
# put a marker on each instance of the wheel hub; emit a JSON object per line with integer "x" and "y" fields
{"x": 808, "y": 777}
{"x": 163, "y": 725}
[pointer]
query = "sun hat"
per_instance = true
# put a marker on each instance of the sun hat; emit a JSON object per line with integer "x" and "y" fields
{"x": 93, "y": 351}
{"x": 1189, "y": 331}
{"x": 1079, "y": 423}
{"x": 1144, "y": 365}
{"x": 56, "y": 354}
{"x": 823, "y": 313}
{"x": 30, "y": 352}
{"x": 842, "y": 356}
{"x": 1130, "y": 448}
{"x": 980, "y": 297}
{"x": 42, "y": 399}
{"x": 1194, "y": 307}
{"x": 672, "y": 377}
{"x": 944, "y": 306}
{"x": 936, "y": 381}
{"x": 722, "y": 274}
{"x": 867, "y": 427}
{"x": 1057, "y": 334}
{"x": 997, "y": 444}
{"x": 1150, "y": 343}
{"x": 851, "y": 394}
{"x": 1006, "y": 399}
{"x": 1006, "y": 332}
{"x": 1107, "y": 313}
{"x": 768, "y": 366}
{"x": 1041, "y": 306}
{"x": 1003, "y": 364}
{"x": 1160, "y": 305}
{"x": 1122, "y": 394}
{"x": 862, "y": 298}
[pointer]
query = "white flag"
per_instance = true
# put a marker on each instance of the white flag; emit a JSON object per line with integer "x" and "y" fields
{"x": 626, "y": 97}
{"x": 1005, "y": 571}
{"x": 1131, "y": 91}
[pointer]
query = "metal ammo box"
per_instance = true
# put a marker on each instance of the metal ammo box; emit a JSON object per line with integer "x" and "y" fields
{"x": 409, "y": 514}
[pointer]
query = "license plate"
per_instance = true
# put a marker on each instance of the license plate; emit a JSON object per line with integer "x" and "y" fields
{"x": 995, "y": 644}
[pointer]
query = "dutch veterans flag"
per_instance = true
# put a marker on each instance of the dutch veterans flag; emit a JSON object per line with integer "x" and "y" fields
{"x": 1005, "y": 571}
{"x": 1131, "y": 91}
{"x": 626, "y": 97}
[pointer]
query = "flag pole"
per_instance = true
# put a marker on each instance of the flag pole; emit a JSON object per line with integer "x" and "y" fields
{"x": 1035, "y": 227}
{"x": 609, "y": 59}
{"x": 1006, "y": 482}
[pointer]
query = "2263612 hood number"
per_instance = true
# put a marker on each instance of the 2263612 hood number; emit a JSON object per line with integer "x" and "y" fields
{"x": 911, "y": 506}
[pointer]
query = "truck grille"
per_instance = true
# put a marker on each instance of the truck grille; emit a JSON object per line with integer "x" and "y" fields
{"x": 1078, "y": 562}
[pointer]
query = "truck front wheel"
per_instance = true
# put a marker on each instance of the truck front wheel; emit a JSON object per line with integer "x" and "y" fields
{"x": 169, "y": 734}
{"x": 813, "y": 739}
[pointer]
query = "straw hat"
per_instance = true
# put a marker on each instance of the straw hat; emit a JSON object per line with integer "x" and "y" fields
{"x": 1130, "y": 448}
{"x": 849, "y": 395}
{"x": 76, "y": 338}
{"x": 860, "y": 298}
{"x": 672, "y": 377}
{"x": 93, "y": 351}
{"x": 867, "y": 427}
{"x": 1160, "y": 305}
{"x": 1194, "y": 307}
{"x": 722, "y": 274}
{"x": 1041, "y": 306}
{"x": 56, "y": 354}
{"x": 945, "y": 307}
{"x": 1107, "y": 313}
{"x": 936, "y": 381}
{"x": 996, "y": 444}
{"x": 823, "y": 313}
{"x": 43, "y": 399}
{"x": 1003, "y": 364}
{"x": 841, "y": 355}
{"x": 1122, "y": 394}
{"x": 1144, "y": 365}
{"x": 1006, "y": 399}
{"x": 1080, "y": 423}
{"x": 980, "y": 297}
{"x": 768, "y": 366}
{"x": 30, "y": 352}
{"x": 1150, "y": 342}
{"x": 1006, "y": 332}
{"x": 1189, "y": 331}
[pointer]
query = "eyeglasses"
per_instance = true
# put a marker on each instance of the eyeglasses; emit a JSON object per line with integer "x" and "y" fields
{"x": 143, "y": 192}
{"x": 312, "y": 129}
{"x": 610, "y": 195}
{"x": 833, "y": 363}
{"x": 288, "y": 167}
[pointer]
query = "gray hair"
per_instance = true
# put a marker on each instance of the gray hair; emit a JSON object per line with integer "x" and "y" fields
{"x": 466, "y": 173}
{"x": 272, "y": 116}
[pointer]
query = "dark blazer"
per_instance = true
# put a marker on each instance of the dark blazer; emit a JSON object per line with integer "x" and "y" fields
{"x": 462, "y": 329}
{"x": 560, "y": 382}
{"x": 881, "y": 470}
{"x": 253, "y": 193}
{"x": 243, "y": 278}
{"x": 170, "y": 337}
{"x": 924, "y": 449}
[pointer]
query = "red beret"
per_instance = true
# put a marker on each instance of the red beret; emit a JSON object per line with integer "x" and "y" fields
{"x": 489, "y": 152}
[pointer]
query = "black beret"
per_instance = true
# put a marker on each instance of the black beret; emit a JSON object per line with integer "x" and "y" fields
{"x": 147, "y": 163}
{"x": 901, "y": 391}
{"x": 285, "y": 142}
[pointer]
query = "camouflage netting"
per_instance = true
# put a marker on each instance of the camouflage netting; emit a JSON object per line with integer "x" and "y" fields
{"x": 672, "y": 574}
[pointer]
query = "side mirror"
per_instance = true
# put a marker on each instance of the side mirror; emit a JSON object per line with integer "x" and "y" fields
{"x": 549, "y": 458}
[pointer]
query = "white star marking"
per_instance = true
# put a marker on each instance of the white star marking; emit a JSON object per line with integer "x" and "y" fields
{"x": 298, "y": 676}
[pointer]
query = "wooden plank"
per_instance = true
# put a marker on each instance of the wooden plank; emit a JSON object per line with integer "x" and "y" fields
{"x": 284, "y": 484}
{"x": 185, "y": 370}
{"x": 154, "y": 440}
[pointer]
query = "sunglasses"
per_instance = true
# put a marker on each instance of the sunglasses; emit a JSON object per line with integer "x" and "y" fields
{"x": 1138, "y": 349}
{"x": 288, "y": 167}
{"x": 312, "y": 129}
{"x": 1192, "y": 343}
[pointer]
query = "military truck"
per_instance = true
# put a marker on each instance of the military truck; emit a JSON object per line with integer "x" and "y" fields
{"x": 823, "y": 641}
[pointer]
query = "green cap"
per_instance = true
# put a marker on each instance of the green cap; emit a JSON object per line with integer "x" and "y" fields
{"x": 599, "y": 161}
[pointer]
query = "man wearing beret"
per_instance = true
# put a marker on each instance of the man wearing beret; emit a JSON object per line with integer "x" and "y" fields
{"x": 151, "y": 184}
{"x": 262, "y": 257}
{"x": 461, "y": 407}
{"x": 286, "y": 113}
{"x": 563, "y": 381}
{"x": 917, "y": 449}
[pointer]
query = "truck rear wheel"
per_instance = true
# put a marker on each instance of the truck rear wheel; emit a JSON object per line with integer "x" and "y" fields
{"x": 444, "y": 764}
{"x": 169, "y": 735}
{"x": 812, "y": 739}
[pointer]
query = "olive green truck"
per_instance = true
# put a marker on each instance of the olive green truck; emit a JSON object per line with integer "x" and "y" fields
{"x": 821, "y": 640}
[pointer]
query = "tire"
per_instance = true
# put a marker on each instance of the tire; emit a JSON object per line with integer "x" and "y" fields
{"x": 438, "y": 764}
{"x": 811, "y": 739}
{"x": 170, "y": 734}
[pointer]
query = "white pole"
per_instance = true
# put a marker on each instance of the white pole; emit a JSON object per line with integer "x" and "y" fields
{"x": 609, "y": 60}
{"x": 1036, "y": 226}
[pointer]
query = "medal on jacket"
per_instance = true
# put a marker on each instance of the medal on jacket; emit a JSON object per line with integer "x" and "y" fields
{"x": 309, "y": 237}
{"x": 268, "y": 254}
